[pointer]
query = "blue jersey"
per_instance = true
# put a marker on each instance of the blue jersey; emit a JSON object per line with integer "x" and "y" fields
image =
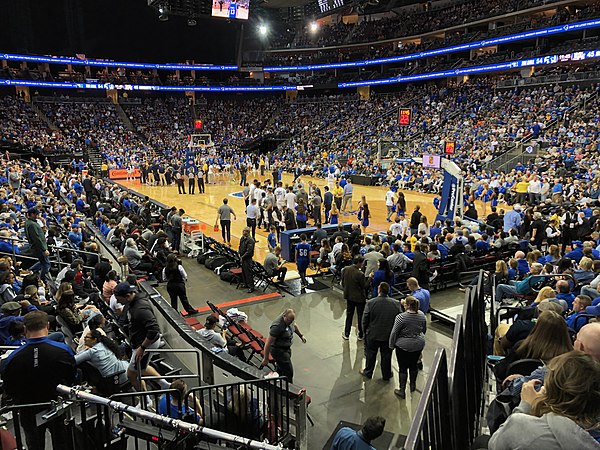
{"x": 232, "y": 10}
{"x": 303, "y": 255}
{"x": 272, "y": 239}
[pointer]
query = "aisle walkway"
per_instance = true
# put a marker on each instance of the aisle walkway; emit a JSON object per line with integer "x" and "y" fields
{"x": 327, "y": 366}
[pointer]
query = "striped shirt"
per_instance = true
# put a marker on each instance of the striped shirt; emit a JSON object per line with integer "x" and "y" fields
{"x": 408, "y": 332}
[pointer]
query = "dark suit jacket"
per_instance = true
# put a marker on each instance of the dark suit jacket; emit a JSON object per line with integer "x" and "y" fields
{"x": 354, "y": 284}
{"x": 379, "y": 316}
{"x": 246, "y": 248}
{"x": 289, "y": 220}
{"x": 421, "y": 269}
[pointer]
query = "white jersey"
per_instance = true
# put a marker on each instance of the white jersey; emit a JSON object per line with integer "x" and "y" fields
{"x": 290, "y": 199}
{"x": 258, "y": 192}
{"x": 331, "y": 180}
{"x": 396, "y": 229}
{"x": 280, "y": 196}
{"x": 389, "y": 198}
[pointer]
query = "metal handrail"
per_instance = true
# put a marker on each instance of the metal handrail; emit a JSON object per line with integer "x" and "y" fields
{"x": 197, "y": 377}
{"x": 78, "y": 394}
{"x": 438, "y": 366}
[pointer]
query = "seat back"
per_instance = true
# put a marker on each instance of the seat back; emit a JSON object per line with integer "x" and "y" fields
{"x": 524, "y": 366}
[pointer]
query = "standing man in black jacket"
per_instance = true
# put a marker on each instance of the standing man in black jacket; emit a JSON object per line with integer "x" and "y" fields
{"x": 421, "y": 266}
{"x": 37, "y": 243}
{"x": 144, "y": 333}
{"x": 377, "y": 322}
{"x": 88, "y": 187}
{"x": 355, "y": 286}
{"x": 415, "y": 220}
{"x": 246, "y": 251}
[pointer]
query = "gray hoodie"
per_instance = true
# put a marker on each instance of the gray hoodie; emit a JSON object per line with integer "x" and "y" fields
{"x": 523, "y": 431}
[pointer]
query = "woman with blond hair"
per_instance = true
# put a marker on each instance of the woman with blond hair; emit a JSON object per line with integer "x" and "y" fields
{"x": 545, "y": 293}
{"x": 563, "y": 414}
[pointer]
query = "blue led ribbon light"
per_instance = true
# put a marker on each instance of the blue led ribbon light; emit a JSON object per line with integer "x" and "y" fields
{"x": 144, "y": 87}
{"x": 442, "y": 51}
{"x": 100, "y": 63}
{"x": 538, "y": 61}
{"x": 577, "y": 26}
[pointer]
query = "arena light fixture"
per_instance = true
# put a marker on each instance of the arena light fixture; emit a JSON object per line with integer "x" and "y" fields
{"x": 163, "y": 12}
{"x": 314, "y": 27}
{"x": 263, "y": 30}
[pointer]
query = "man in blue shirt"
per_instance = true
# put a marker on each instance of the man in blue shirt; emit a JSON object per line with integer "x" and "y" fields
{"x": 419, "y": 293}
{"x": 580, "y": 304}
{"x": 512, "y": 218}
{"x": 75, "y": 236}
{"x": 563, "y": 292}
{"x": 349, "y": 439}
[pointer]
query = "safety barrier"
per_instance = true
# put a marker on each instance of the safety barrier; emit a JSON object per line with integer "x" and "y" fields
{"x": 449, "y": 411}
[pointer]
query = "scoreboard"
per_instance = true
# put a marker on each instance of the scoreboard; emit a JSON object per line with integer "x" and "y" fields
{"x": 329, "y": 5}
{"x": 405, "y": 117}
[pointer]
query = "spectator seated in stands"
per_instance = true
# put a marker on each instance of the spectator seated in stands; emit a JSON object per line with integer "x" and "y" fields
{"x": 181, "y": 405}
{"x": 563, "y": 415}
{"x": 135, "y": 258}
{"x": 96, "y": 321}
{"x": 109, "y": 285}
{"x": 17, "y": 337}
{"x": 7, "y": 245}
{"x": 507, "y": 335}
{"x": 11, "y": 312}
{"x": 244, "y": 417}
{"x": 563, "y": 292}
{"x": 522, "y": 264}
{"x": 7, "y": 290}
{"x": 220, "y": 340}
{"x": 72, "y": 313}
{"x": 584, "y": 274}
{"x": 580, "y": 304}
{"x": 577, "y": 253}
{"x": 104, "y": 355}
{"x": 524, "y": 287}
{"x": 75, "y": 237}
{"x": 548, "y": 338}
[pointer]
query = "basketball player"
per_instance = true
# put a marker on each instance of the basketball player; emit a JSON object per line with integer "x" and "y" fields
{"x": 303, "y": 258}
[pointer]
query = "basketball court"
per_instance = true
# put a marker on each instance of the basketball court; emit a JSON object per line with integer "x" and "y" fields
{"x": 203, "y": 207}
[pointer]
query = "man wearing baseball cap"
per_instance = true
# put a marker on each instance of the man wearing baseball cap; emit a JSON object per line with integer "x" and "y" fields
{"x": 11, "y": 312}
{"x": 144, "y": 333}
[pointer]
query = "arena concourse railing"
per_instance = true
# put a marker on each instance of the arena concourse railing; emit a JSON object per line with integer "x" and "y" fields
{"x": 448, "y": 416}
{"x": 93, "y": 422}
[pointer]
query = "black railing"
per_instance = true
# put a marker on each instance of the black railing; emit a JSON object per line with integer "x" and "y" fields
{"x": 248, "y": 418}
{"x": 260, "y": 409}
{"x": 431, "y": 427}
{"x": 449, "y": 411}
